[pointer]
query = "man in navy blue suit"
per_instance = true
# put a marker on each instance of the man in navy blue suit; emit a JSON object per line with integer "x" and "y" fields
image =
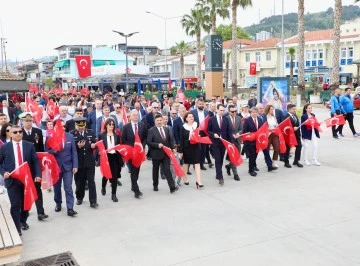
{"x": 102, "y": 119}
{"x": 219, "y": 127}
{"x": 94, "y": 115}
{"x": 12, "y": 155}
{"x": 67, "y": 160}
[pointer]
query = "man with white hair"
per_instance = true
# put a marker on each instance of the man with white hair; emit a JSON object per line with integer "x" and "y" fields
{"x": 8, "y": 111}
{"x": 64, "y": 116}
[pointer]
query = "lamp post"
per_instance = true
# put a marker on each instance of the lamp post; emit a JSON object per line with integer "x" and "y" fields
{"x": 165, "y": 20}
{"x": 282, "y": 41}
{"x": 126, "y": 50}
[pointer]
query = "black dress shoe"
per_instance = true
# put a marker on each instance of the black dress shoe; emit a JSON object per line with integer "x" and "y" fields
{"x": 119, "y": 183}
{"x": 335, "y": 137}
{"x": 174, "y": 189}
{"x": 228, "y": 168}
{"x": 42, "y": 216}
{"x": 211, "y": 165}
{"x": 25, "y": 226}
{"x": 298, "y": 164}
{"x": 114, "y": 198}
{"x": 236, "y": 177}
{"x": 287, "y": 165}
{"x": 71, "y": 212}
{"x": 137, "y": 195}
{"x": 86, "y": 186}
{"x": 140, "y": 193}
{"x": 79, "y": 202}
{"x": 156, "y": 189}
{"x": 163, "y": 177}
{"x": 20, "y": 233}
{"x": 103, "y": 191}
{"x": 221, "y": 181}
{"x": 57, "y": 208}
{"x": 188, "y": 173}
{"x": 271, "y": 168}
{"x": 256, "y": 169}
{"x": 94, "y": 205}
{"x": 203, "y": 167}
{"x": 253, "y": 173}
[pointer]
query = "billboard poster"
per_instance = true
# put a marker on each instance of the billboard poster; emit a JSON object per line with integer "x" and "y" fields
{"x": 274, "y": 91}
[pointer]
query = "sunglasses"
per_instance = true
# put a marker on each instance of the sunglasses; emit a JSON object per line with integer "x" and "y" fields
{"x": 232, "y": 111}
{"x": 117, "y": 107}
{"x": 173, "y": 113}
{"x": 28, "y": 120}
{"x": 156, "y": 107}
{"x": 17, "y": 132}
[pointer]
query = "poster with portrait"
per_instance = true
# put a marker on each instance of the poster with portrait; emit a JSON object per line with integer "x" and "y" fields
{"x": 274, "y": 91}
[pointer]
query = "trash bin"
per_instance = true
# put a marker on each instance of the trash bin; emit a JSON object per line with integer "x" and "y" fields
{"x": 307, "y": 95}
{"x": 325, "y": 96}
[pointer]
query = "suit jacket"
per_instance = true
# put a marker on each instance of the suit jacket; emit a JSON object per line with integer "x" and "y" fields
{"x": 149, "y": 120}
{"x": 294, "y": 124}
{"x": 70, "y": 125}
{"x": 225, "y": 132}
{"x": 12, "y": 113}
{"x": 7, "y": 160}
{"x": 307, "y": 133}
{"x": 92, "y": 122}
{"x": 67, "y": 159}
{"x": 85, "y": 154}
{"x": 143, "y": 113}
{"x": 196, "y": 115}
{"x": 103, "y": 137}
{"x": 249, "y": 126}
{"x": 36, "y": 137}
{"x": 100, "y": 120}
{"x": 237, "y": 128}
{"x": 278, "y": 115}
{"x": 128, "y": 136}
{"x": 178, "y": 124}
{"x": 154, "y": 139}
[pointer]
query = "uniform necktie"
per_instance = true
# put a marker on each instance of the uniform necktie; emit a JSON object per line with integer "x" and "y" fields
{"x": 255, "y": 122}
{"x": 294, "y": 118}
{"x": 162, "y": 134}
{"x": 29, "y": 133}
{"x": 20, "y": 160}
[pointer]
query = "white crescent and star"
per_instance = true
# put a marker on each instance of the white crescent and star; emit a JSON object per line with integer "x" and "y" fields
{"x": 285, "y": 129}
{"x": 260, "y": 136}
{"x": 86, "y": 63}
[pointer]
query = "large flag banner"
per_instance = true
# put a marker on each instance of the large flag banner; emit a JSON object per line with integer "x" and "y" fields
{"x": 177, "y": 168}
{"x": 277, "y": 131}
{"x": 138, "y": 152}
{"x": 233, "y": 153}
{"x": 252, "y": 68}
{"x": 23, "y": 174}
{"x": 337, "y": 120}
{"x": 83, "y": 63}
{"x": 204, "y": 125}
{"x": 52, "y": 109}
{"x": 312, "y": 122}
{"x": 195, "y": 138}
{"x": 288, "y": 132}
{"x": 262, "y": 139}
{"x": 250, "y": 136}
{"x": 104, "y": 161}
{"x": 125, "y": 151}
{"x": 124, "y": 116}
{"x": 33, "y": 107}
{"x": 50, "y": 169}
{"x": 57, "y": 139}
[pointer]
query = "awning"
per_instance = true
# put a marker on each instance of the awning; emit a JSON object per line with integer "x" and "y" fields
{"x": 103, "y": 62}
{"x": 62, "y": 63}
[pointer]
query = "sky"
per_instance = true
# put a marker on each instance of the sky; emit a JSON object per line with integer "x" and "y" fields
{"x": 34, "y": 28}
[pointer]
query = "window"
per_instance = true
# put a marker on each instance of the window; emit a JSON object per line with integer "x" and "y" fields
{"x": 350, "y": 52}
{"x": 321, "y": 54}
{"x": 257, "y": 56}
{"x": 315, "y": 54}
{"x": 74, "y": 51}
{"x": 288, "y": 57}
{"x": 268, "y": 56}
{"x": 343, "y": 52}
{"x": 308, "y": 54}
{"x": 247, "y": 57}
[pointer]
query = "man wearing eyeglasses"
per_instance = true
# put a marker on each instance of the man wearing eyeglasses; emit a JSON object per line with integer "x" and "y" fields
{"x": 12, "y": 155}
{"x": 8, "y": 111}
{"x": 141, "y": 112}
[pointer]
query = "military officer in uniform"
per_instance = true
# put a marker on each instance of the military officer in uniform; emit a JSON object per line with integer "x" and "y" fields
{"x": 85, "y": 144}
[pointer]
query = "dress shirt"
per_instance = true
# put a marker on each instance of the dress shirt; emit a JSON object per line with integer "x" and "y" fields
{"x": 201, "y": 115}
{"x": 110, "y": 143}
{"x": 98, "y": 113}
{"x": 271, "y": 121}
{"x": 16, "y": 153}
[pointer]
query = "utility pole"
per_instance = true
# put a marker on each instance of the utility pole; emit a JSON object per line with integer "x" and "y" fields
{"x": 282, "y": 42}
{"x": 2, "y": 54}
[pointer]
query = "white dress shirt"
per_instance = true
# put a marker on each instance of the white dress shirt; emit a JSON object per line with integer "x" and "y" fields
{"x": 16, "y": 153}
{"x": 201, "y": 115}
{"x": 98, "y": 113}
{"x": 110, "y": 143}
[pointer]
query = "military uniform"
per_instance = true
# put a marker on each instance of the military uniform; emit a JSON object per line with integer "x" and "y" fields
{"x": 86, "y": 170}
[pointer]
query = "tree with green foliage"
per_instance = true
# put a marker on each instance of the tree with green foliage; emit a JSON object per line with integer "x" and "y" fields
{"x": 226, "y": 32}
{"x": 182, "y": 49}
{"x": 214, "y": 8}
{"x": 49, "y": 83}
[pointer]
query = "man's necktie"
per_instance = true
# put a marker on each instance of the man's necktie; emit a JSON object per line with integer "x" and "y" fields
{"x": 136, "y": 129}
{"x": 220, "y": 122}
{"x": 162, "y": 134}
{"x": 29, "y": 133}
{"x": 20, "y": 160}
{"x": 233, "y": 122}
{"x": 255, "y": 122}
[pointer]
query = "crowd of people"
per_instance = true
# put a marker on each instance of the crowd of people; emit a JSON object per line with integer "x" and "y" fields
{"x": 160, "y": 121}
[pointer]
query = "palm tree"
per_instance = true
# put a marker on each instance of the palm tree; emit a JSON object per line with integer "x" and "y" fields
{"x": 234, "y": 6}
{"x": 182, "y": 49}
{"x": 226, "y": 75}
{"x": 336, "y": 42}
{"x": 292, "y": 54}
{"x": 214, "y": 8}
{"x": 194, "y": 23}
{"x": 301, "y": 48}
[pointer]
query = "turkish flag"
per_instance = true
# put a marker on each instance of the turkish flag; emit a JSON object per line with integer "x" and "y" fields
{"x": 204, "y": 125}
{"x": 85, "y": 91}
{"x": 23, "y": 174}
{"x": 33, "y": 89}
{"x": 195, "y": 138}
{"x": 57, "y": 139}
{"x": 277, "y": 131}
{"x": 138, "y": 152}
{"x": 250, "y": 136}
{"x": 52, "y": 109}
{"x": 1, "y": 143}
{"x": 181, "y": 95}
{"x": 233, "y": 153}
{"x": 50, "y": 169}
{"x": 33, "y": 107}
{"x": 83, "y": 63}
{"x": 253, "y": 68}
{"x": 104, "y": 161}
{"x": 177, "y": 168}
{"x": 262, "y": 137}
{"x": 125, "y": 151}
{"x": 124, "y": 116}
{"x": 288, "y": 132}
{"x": 312, "y": 122}
{"x": 58, "y": 91}
{"x": 337, "y": 120}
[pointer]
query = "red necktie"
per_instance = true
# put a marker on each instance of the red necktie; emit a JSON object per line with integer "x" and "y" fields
{"x": 162, "y": 134}
{"x": 220, "y": 122}
{"x": 20, "y": 160}
{"x": 255, "y": 122}
{"x": 233, "y": 122}
{"x": 136, "y": 129}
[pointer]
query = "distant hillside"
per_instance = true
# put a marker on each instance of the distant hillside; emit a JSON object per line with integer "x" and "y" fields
{"x": 314, "y": 21}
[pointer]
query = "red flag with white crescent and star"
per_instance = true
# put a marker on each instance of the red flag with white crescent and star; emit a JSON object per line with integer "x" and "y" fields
{"x": 253, "y": 68}
{"x": 57, "y": 139}
{"x": 138, "y": 152}
{"x": 196, "y": 138}
{"x": 177, "y": 168}
{"x": 52, "y": 109}
{"x": 125, "y": 151}
{"x": 204, "y": 125}
{"x": 33, "y": 107}
{"x": 278, "y": 132}
{"x": 233, "y": 153}
{"x": 104, "y": 161}
{"x": 83, "y": 63}
{"x": 337, "y": 120}
{"x": 262, "y": 137}
{"x": 250, "y": 136}
{"x": 312, "y": 122}
{"x": 49, "y": 168}
{"x": 288, "y": 132}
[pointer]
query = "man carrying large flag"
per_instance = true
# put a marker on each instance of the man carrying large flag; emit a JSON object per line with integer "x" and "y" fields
{"x": 12, "y": 155}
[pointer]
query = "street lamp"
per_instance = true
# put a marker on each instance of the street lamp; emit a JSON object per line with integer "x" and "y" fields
{"x": 126, "y": 50}
{"x": 165, "y": 20}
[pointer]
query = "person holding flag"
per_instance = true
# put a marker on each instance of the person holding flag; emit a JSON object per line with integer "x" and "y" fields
{"x": 336, "y": 109}
{"x": 309, "y": 135}
{"x": 348, "y": 107}
{"x": 12, "y": 155}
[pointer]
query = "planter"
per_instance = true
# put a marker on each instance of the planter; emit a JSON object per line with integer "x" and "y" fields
{"x": 315, "y": 99}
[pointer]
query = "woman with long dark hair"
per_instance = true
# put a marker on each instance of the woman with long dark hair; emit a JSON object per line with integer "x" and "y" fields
{"x": 5, "y": 133}
{"x": 273, "y": 138}
{"x": 111, "y": 139}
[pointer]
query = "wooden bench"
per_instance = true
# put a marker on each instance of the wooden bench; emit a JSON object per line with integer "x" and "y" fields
{"x": 10, "y": 241}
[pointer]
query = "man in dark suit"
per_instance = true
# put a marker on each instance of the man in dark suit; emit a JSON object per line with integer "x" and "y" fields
{"x": 85, "y": 145}
{"x": 141, "y": 112}
{"x": 295, "y": 122}
{"x": 128, "y": 138}
{"x": 70, "y": 124}
{"x": 35, "y": 136}
{"x": 67, "y": 160}
{"x": 150, "y": 117}
{"x": 12, "y": 155}
{"x": 199, "y": 116}
{"x": 219, "y": 127}
{"x": 101, "y": 120}
{"x": 158, "y": 136}
{"x": 173, "y": 115}
{"x": 93, "y": 116}
{"x": 8, "y": 111}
